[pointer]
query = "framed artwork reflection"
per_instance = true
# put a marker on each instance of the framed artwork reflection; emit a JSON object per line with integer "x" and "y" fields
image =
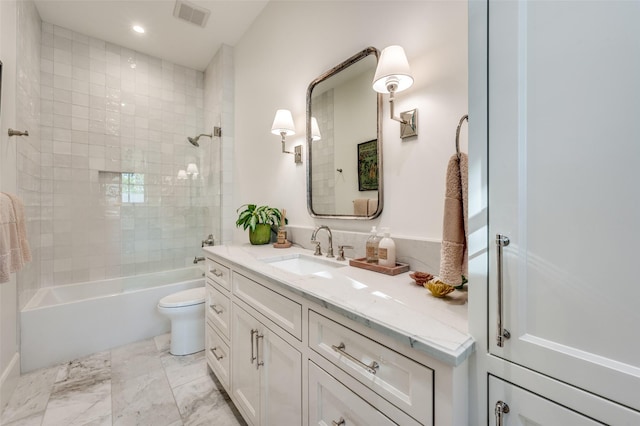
{"x": 368, "y": 166}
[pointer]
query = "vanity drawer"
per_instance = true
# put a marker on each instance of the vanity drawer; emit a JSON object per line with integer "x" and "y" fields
{"x": 219, "y": 273}
{"x": 218, "y": 309}
{"x": 283, "y": 311}
{"x": 332, "y": 403}
{"x": 217, "y": 353}
{"x": 400, "y": 380}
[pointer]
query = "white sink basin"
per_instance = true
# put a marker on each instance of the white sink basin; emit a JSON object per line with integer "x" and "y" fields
{"x": 303, "y": 265}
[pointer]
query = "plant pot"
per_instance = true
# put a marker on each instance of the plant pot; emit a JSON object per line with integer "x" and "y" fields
{"x": 261, "y": 235}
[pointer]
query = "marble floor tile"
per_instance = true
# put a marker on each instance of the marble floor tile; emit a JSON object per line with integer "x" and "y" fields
{"x": 83, "y": 373}
{"x": 201, "y": 403}
{"x": 31, "y": 395}
{"x": 184, "y": 369}
{"x": 71, "y": 406}
{"x": 134, "y": 360}
{"x": 144, "y": 400}
{"x": 33, "y": 420}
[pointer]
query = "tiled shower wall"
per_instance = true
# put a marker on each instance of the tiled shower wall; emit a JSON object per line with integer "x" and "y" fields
{"x": 28, "y": 147}
{"x": 108, "y": 111}
{"x": 324, "y": 169}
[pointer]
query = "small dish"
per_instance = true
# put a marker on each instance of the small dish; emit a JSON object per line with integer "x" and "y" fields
{"x": 438, "y": 288}
{"x": 421, "y": 277}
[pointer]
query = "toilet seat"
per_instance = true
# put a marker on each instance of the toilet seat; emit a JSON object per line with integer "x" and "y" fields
{"x": 194, "y": 296}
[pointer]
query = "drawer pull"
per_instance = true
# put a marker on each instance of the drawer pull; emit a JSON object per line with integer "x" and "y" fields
{"x": 213, "y": 351}
{"x": 216, "y": 309}
{"x": 371, "y": 368}
{"x": 253, "y": 358}
{"x": 216, "y": 272}
{"x": 340, "y": 422}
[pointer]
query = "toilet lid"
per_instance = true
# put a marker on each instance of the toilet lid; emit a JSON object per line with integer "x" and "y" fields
{"x": 193, "y": 296}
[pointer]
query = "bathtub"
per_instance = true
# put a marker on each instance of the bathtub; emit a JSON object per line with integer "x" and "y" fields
{"x": 65, "y": 322}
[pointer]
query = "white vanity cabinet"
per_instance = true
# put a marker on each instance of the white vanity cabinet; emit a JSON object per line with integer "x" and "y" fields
{"x": 217, "y": 320}
{"x": 266, "y": 370}
{"x": 302, "y": 358}
{"x": 562, "y": 209}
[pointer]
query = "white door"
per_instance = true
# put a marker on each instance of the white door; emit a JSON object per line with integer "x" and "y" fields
{"x": 281, "y": 375}
{"x": 564, "y": 187}
{"x": 522, "y": 408}
{"x": 245, "y": 375}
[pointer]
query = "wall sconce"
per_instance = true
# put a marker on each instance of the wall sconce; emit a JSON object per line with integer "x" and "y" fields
{"x": 315, "y": 130}
{"x": 283, "y": 126}
{"x": 394, "y": 75}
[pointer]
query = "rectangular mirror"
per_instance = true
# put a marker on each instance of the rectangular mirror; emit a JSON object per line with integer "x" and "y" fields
{"x": 344, "y": 141}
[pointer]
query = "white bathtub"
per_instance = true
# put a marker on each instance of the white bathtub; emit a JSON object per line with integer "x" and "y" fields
{"x": 65, "y": 322}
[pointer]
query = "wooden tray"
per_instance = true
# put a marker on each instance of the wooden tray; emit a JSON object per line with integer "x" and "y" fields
{"x": 387, "y": 270}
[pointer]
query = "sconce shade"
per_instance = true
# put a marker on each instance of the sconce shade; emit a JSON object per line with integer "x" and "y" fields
{"x": 315, "y": 130}
{"x": 192, "y": 169}
{"x": 283, "y": 123}
{"x": 393, "y": 68}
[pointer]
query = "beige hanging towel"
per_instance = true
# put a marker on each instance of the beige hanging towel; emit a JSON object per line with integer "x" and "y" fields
{"x": 14, "y": 247}
{"x": 360, "y": 206}
{"x": 453, "y": 252}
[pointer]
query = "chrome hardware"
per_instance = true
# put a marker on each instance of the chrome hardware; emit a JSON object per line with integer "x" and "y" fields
{"x": 213, "y": 351}
{"x": 502, "y": 333}
{"x": 313, "y": 240}
{"x": 501, "y": 408}
{"x": 215, "y": 272}
{"x": 258, "y": 362}
{"x": 13, "y": 132}
{"x": 371, "y": 368}
{"x": 208, "y": 241}
{"x": 216, "y": 309}
{"x": 253, "y": 358}
{"x": 318, "y": 250}
{"x": 340, "y": 422}
{"x": 341, "y": 252}
{"x": 197, "y": 259}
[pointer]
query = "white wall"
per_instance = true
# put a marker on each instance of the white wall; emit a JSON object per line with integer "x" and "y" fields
{"x": 291, "y": 43}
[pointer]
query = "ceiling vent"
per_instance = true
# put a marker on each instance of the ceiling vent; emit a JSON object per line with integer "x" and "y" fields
{"x": 191, "y": 13}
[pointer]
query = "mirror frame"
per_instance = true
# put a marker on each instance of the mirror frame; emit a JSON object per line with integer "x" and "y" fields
{"x": 333, "y": 71}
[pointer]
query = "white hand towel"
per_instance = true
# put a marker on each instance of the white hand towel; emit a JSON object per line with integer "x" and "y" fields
{"x": 14, "y": 247}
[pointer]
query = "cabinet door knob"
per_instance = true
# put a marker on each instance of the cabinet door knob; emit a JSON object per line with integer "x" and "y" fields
{"x": 501, "y": 408}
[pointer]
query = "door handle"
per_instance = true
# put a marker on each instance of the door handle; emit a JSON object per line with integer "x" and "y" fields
{"x": 501, "y": 409}
{"x": 502, "y": 333}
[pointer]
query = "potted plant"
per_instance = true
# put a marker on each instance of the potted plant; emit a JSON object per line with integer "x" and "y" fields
{"x": 260, "y": 220}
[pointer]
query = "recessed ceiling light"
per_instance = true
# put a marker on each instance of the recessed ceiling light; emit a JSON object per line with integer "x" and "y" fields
{"x": 138, "y": 29}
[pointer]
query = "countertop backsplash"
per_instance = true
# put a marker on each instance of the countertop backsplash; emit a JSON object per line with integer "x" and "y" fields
{"x": 421, "y": 255}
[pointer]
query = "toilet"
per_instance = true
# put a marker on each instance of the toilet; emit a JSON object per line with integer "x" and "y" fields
{"x": 185, "y": 309}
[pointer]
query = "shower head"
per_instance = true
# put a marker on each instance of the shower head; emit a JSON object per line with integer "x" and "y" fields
{"x": 194, "y": 141}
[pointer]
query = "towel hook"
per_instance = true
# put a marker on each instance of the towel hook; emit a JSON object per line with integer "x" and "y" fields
{"x": 464, "y": 117}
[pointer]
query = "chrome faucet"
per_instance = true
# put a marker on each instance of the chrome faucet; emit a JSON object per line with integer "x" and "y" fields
{"x": 317, "y": 243}
{"x": 198, "y": 259}
{"x": 208, "y": 241}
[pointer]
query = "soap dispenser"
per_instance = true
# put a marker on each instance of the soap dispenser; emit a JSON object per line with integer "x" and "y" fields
{"x": 372, "y": 246}
{"x": 386, "y": 250}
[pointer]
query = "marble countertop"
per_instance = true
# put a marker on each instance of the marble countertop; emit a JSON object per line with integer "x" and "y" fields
{"x": 392, "y": 305}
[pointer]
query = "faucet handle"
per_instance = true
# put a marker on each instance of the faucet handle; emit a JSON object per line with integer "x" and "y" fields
{"x": 318, "y": 251}
{"x": 341, "y": 252}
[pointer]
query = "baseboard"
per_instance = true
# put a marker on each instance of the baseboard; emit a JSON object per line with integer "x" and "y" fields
{"x": 9, "y": 380}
